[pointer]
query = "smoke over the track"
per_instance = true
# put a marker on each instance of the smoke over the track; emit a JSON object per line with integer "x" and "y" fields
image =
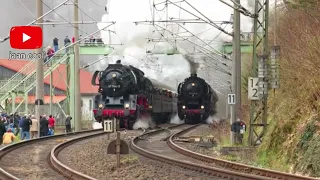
{"x": 176, "y": 120}
{"x": 96, "y": 125}
{"x": 212, "y": 119}
{"x": 194, "y": 66}
{"x": 144, "y": 122}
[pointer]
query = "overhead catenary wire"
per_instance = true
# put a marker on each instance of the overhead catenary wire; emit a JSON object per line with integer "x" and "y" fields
{"x": 214, "y": 67}
{"x": 173, "y": 44}
{"x": 209, "y": 21}
{"x": 213, "y": 53}
{"x": 239, "y": 8}
{"x": 193, "y": 35}
{"x": 34, "y": 21}
{"x": 94, "y": 62}
{"x": 84, "y": 12}
{"x": 99, "y": 4}
{"x": 63, "y": 18}
{"x": 195, "y": 16}
{"x": 25, "y": 7}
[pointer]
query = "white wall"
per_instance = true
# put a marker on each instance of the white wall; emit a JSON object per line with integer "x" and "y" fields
{"x": 87, "y": 105}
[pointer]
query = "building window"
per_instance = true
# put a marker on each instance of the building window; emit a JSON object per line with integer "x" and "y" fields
{"x": 90, "y": 104}
{"x": 81, "y": 103}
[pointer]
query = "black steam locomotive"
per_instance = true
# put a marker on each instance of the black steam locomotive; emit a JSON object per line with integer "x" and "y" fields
{"x": 126, "y": 94}
{"x": 196, "y": 100}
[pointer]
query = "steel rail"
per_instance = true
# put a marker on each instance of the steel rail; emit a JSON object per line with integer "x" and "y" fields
{"x": 188, "y": 165}
{"x": 63, "y": 169}
{"x": 233, "y": 165}
{"x": 7, "y": 149}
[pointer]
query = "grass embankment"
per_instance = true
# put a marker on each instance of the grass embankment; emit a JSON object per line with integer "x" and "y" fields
{"x": 292, "y": 143}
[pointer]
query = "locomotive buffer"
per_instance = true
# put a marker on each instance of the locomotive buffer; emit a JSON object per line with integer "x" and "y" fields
{"x": 117, "y": 146}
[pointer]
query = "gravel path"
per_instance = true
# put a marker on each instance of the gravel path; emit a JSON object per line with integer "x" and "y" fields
{"x": 86, "y": 157}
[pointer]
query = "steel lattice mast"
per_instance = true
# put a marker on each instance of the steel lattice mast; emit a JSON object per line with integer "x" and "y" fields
{"x": 259, "y": 109}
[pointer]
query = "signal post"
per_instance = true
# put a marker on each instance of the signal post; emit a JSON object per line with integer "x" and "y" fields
{"x": 116, "y": 146}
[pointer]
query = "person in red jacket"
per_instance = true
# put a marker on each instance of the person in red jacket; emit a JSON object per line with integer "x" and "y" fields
{"x": 51, "y": 122}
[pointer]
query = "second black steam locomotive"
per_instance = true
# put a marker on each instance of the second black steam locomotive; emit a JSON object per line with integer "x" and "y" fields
{"x": 196, "y": 100}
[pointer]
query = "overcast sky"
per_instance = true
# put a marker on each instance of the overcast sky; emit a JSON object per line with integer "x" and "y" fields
{"x": 170, "y": 69}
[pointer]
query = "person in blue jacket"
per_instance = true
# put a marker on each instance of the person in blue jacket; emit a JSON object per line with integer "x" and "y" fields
{"x": 20, "y": 125}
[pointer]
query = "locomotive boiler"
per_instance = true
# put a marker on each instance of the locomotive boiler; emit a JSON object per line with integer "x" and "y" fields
{"x": 196, "y": 100}
{"x": 126, "y": 94}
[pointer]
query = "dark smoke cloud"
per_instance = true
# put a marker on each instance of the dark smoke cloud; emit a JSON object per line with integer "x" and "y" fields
{"x": 194, "y": 66}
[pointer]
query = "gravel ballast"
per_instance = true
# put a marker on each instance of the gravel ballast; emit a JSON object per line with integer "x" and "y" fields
{"x": 90, "y": 157}
{"x": 220, "y": 134}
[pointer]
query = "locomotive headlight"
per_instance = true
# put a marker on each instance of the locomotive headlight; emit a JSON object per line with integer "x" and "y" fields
{"x": 126, "y": 105}
{"x": 183, "y": 107}
{"x": 100, "y": 106}
{"x": 193, "y": 84}
{"x": 114, "y": 75}
{"x": 202, "y": 107}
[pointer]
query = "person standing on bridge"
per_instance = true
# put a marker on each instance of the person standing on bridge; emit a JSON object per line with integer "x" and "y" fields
{"x": 66, "y": 43}
{"x": 50, "y": 53}
{"x": 56, "y": 44}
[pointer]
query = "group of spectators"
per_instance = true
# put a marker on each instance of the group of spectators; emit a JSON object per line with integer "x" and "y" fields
{"x": 27, "y": 125}
{"x": 52, "y": 50}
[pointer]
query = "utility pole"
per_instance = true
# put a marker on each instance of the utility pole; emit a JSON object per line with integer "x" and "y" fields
{"x": 236, "y": 69}
{"x": 237, "y": 44}
{"x": 39, "y": 68}
{"x": 259, "y": 109}
{"x": 77, "y": 96}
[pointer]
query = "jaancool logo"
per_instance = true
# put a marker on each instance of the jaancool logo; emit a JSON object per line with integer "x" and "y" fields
{"x": 26, "y": 37}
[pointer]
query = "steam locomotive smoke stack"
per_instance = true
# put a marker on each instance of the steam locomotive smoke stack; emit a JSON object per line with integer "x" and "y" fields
{"x": 194, "y": 66}
{"x": 118, "y": 61}
{"x": 194, "y": 75}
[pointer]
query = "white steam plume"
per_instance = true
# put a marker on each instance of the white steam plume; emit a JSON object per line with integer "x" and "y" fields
{"x": 212, "y": 119}
{"x": 176, "y": 120}
{"x": 144, "y": 122}
{"x": 96, "y": 125}
{"x": 170, "y": 69}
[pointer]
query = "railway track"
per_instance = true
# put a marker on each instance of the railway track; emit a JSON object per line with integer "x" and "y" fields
{"x": 50, "y": 165}
{"x": 68, "y": 172}
{"x": 237, "y": 167}
{"x": 35, "y": 159}
{"x": 154, "y": 149}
